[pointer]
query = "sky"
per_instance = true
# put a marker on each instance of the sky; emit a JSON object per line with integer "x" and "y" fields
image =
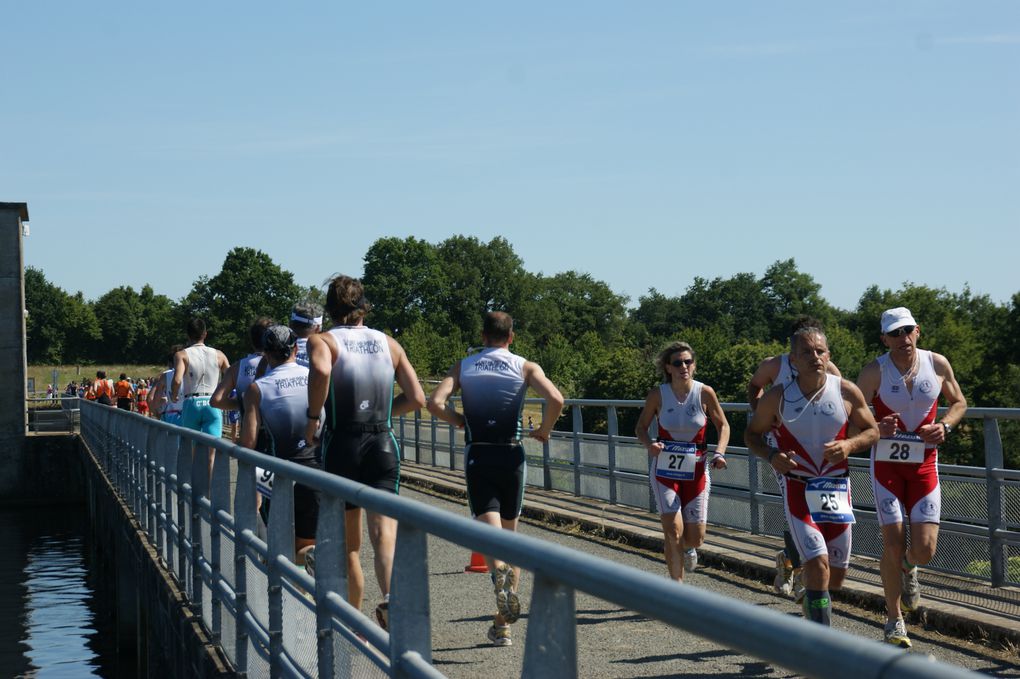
{"x": 644, "y": 143}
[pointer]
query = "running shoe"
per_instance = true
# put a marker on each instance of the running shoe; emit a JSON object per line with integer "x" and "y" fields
{"x": 504, "y": 583}
{"x": 910, "y": 597}
{"x": 896, "y": 633}
{"x": 799, "y": 590}
{"x": 382, "y": 615}
{"x": 310, "y": 561}
{"x": 500, "y": 636}
{"x": 783, "y": 584}
{"x": 690, "y": 560}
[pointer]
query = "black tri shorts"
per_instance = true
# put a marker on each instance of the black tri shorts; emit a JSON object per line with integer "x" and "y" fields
{"x": 371, "y": 458}
{"x": 306, "y": 505}
{"x": 495, "y": 479}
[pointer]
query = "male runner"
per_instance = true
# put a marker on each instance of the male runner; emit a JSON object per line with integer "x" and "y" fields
{"x": 124, "y": 391}
{"x": 305, "y": 321}
{"x": 197, "y": 368}
{"x": 904, "y": 386}
{"x": 160, "y": 402}
{"x": 495, "y": 383}
{"x": 352, "y": 373}
{"x": 777, "y": 370}
{"x": 279, "y": 401}
{"x": 242, "y": 373}
{"x": 809, "y": 418}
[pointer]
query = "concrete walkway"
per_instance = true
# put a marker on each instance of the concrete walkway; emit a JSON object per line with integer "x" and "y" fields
{"x": 950, "y": 604}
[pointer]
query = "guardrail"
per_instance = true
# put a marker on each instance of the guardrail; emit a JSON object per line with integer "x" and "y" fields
{"x": 53, "y": 414}
{"x": 979, "y": 535}
{"x": 250, "y": 595}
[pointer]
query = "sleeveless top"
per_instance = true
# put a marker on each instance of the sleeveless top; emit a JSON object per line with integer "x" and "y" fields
{"x": 283, "y": 408}
{"x": 302, "y": 351}
{"x": 917, "y": 406}
{"x": 361, "y": 383}
{"x": 246, "y": 368}
{"x": 807, "y": 425}
{"x": 203, "y": 372}
{"x": 682, "y": 420}
{"x": 171, "y": 407}
{"x": 786, "y": 372}
{"x": 493, "y": 390}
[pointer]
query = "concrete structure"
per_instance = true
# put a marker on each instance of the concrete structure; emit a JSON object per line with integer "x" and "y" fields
{"x": 12, "y": 344}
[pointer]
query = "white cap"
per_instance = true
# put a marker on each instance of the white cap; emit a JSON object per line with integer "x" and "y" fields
{"x": 896, "y": 318}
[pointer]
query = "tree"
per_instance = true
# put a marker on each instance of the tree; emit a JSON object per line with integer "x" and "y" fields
{"x": 403, "y": 281}
{"x": 789, "y": 294}
{"x": 248, "y": 285}
{"x": 59, "y": 327}
{"x": 119, "y": 316}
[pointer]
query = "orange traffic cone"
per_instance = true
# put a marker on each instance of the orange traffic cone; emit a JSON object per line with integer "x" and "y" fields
{"x": 477, "y": 564}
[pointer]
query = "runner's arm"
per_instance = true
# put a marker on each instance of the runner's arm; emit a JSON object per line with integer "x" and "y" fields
{"x": 250, "y": 425}
{"x": 320, "y": 366}
{"x": 722, "y": 426}
{"x": 221, "y": 397}
{"x": 535, "y": 378}
{"x": 411, "y": 397}
{"x": 761, "y": 423}
{"x": 652, "y": 404}
{"x": 766, "y": 374}
{"x": 437, "y": 403}
{"x": 935, "y": 433}
{"x": 180, "y": 366}
{"x": 859, "y": 415}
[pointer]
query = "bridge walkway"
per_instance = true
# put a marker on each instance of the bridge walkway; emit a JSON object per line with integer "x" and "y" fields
{"x": 951, "y": 604}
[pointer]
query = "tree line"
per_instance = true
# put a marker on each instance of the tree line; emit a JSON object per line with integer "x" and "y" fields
{"x": 590, "y": 340}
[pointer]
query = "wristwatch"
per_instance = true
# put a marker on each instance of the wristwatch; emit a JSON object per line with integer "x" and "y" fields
{"x": 947, "y": 428}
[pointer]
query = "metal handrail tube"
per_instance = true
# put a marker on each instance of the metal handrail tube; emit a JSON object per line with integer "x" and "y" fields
{"x": 798, "y": 645}
{"x": 351, "y": 617}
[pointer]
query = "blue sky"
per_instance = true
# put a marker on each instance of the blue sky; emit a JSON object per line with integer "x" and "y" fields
{"x": 645, "y": 143}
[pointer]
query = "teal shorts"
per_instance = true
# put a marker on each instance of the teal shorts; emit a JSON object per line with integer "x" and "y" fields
{"x": 200, "y": 416}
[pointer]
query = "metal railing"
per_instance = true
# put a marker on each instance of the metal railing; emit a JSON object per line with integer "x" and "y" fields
{"x": 56, "y": 413}
{"x": 979, "y": 534}
{"x": 250, "y": 595}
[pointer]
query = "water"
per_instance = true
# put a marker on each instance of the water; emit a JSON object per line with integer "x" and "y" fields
{"x": 51, "y": 619}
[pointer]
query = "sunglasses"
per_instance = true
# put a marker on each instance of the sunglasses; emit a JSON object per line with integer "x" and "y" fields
{"x": 902, "y": 330}
{"x": 677, "y": 362}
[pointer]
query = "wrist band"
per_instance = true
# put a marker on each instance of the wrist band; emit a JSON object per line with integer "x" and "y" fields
{"x": 308, "y": 414}
{"x": 772, "y": 454}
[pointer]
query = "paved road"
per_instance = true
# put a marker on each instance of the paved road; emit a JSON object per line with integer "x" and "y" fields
{"x": 613, "y": 642}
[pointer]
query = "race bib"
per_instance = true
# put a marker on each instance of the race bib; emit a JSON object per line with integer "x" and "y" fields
{"x": 903, "y": 447}
{"x": 677, "y": 461}
{"x": 264, "y": 482}
{"x": 828, "y": 500}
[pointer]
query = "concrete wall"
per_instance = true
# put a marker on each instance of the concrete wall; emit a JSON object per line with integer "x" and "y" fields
{"x": 42, "y": 469}
{"x": 154, "y": 624}
{"x": 12, "y": 340}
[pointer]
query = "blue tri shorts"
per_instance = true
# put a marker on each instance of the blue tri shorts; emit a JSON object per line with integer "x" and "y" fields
{"x": 197, "y": 414}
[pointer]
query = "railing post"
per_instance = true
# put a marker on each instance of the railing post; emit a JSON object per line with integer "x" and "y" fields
{"x": 577, "y": 424}
{"x": 244, "y": 520}
{"x": 330, "y": 576}
{"x": 613, "y": 431}
{"x": 281, "y": 544}
{"x": 993, "y": 489}
{"x": 753, "y": 488}
{"x": 410, "y": 624}
{"x": 546, "y": 446}
{"x": 219, "y": 496}
{"x": 199, "y": 475}
{"x": 551, "y": 650}
{"x": 453, "y": 443}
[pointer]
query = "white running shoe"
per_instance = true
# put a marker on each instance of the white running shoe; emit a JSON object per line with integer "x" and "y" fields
{"x": 504, "y": 584}
{"x": 690, "y": 560}
{"x": 896, "y": 633}
{"x": 500, "y": 636}
{"x": 783, "y": 584}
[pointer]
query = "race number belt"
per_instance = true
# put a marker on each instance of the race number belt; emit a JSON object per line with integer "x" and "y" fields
{"x": 828, "y": 500}
{"x": 903, "y": 447}
{"x": 677, "y": 461}
{"x": 264, "y": 482}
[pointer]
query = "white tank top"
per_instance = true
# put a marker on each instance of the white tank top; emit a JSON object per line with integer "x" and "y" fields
{"x": 203, "y": 372}
{"x": 361, "y": 389}
{"x": 682, "y": 420}
{"x": 917, "y": 406}
{"x": 302, "y": 351}
{"x": 171, "y": 406}
{"x": 808, "y": 425}
{"x": 786, "y": 372}
{"x": 246, "y": 369}
{"x": 493, "y": 388}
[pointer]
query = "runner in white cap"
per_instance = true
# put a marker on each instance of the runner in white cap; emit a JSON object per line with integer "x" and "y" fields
{"x": 904, "y": 386}
{"x": 305, "y": 321}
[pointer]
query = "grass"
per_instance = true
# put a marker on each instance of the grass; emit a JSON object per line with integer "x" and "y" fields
{"x": 43, "y": 374}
